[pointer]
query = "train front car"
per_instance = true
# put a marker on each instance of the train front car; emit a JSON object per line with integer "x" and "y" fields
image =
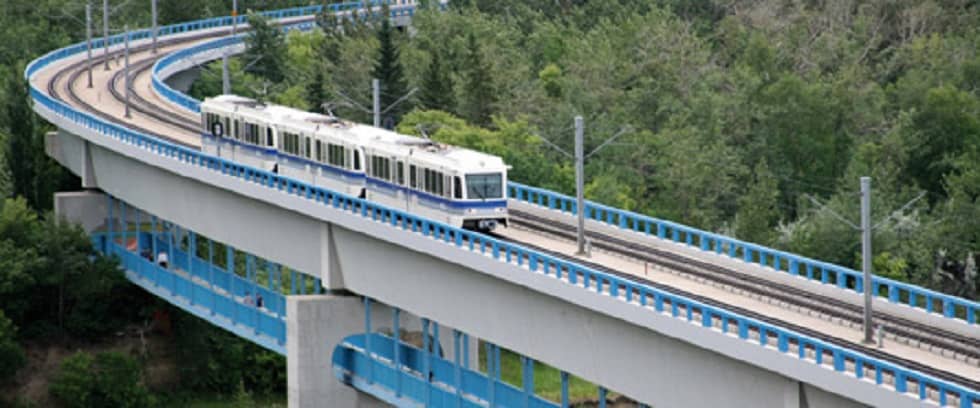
{"x": 483, "y": 203}
{"x": 457, "y": 186}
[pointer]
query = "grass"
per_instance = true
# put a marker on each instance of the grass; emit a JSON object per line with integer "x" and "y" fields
{"x": 547, "y": 379}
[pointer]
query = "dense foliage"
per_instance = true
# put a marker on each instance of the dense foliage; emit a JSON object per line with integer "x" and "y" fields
{"x": 107, "y": 379}
{"x": 744, "y": 114}
{"x": 751, "y": 118}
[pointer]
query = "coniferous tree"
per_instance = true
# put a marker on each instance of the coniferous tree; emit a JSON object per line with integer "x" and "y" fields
{"x": 265, "y": 49}
{"x": 758, "y": 208}
{"x": 388, "y": 69}
{"x": 478, "y": 95}
{"x": 437, "y": 86}
{"x": 316, "y": 94}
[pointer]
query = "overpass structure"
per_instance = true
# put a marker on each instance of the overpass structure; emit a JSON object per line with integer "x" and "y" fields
{"x": 664, "y": 314}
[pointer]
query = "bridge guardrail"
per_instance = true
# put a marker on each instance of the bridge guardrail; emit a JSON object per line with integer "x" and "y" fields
{"x": 536, "y": 262}
{"x": 896, "y": 292}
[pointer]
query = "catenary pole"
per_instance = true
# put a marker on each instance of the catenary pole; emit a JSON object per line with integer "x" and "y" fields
{"x": 126, "y": 73}
{"x": 88, "y": 41}
{"x": 225, "y": 76}
{"x": 234, "y": 17}
{"x": 105, "y": 32}
{"x": 153, "y": 13}
{"x": 580, "y": 181}
{"x": 376, "y": 91}
{"x": 866, "y": 256}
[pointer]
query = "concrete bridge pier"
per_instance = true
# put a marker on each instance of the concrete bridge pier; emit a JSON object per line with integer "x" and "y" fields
{"x": 316, "y": 324}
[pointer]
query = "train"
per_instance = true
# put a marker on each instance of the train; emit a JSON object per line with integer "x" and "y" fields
{"x": 450, "y": 184}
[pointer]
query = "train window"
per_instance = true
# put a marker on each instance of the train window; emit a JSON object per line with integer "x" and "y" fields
{"x": 357, "y": 160}
{"x": 319, "y": 151}
{"x": 250, "y": 133}
{"x": 335, "y": 155}
{"x": 307, "y": 151}
{"x": 290, "y": 143}
{"x": 484, "y": 186}
{"x": 413, "y": 176}
{"x": 228, "y": 129}
{"x": 401, "y": 174}
{"x": 381, "y": 167}
{"x": 457, "y": 188}
{"x": 268, "y": 137}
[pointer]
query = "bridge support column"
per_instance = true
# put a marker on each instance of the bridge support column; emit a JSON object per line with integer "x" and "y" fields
{"x": 315, "y": 324}
{"x": 88, "y": 208}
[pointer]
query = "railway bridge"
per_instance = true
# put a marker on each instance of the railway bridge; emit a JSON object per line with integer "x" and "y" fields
{"x": 664, "y": 314}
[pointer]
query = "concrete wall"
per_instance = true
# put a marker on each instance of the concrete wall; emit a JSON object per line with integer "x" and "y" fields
{"x": 659, "y": 360}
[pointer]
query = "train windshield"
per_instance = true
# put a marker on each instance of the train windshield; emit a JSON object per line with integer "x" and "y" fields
{"x": 484, "y": 186}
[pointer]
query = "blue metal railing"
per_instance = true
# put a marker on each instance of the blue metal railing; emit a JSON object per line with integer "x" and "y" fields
{"x": 422, "y": 377}
{"x": 652, "y": 299}
{"x": 896, "y": 292}
{"x": 258, "y": 322}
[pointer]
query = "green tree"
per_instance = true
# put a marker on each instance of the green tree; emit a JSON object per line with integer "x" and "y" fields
{"x": 437, "y": 86}
{"x": 758, "y": 210}
{"x": 550, "y": 77}
{"x": 108, "y": 379}
{"x": 265, "y": 49}
{"x": 940, "y": 130}
{"x": 316, "y": 94}
{"x": 478, "y": 91}
{"x": 388, "y": 70}
{"x": 11, "y": 355}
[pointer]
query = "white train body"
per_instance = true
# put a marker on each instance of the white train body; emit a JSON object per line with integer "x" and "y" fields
{"x": 445, "y": 183}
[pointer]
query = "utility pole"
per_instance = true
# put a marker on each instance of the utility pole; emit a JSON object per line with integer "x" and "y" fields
{"x": 126, "y": 73}
{"x": 225, "y": 76}
{"x": 376, "y": 91}
{"x": 105, "y": 32}
{"x": 580, "y": 182}
{"x": 866, "y": 256}
{"x": 88, "y": 40}
{"x": 153, "y": 13}
{"x": 234, "y": 17}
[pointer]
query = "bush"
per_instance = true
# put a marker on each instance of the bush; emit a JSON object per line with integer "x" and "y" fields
{"x": 11, "y": 355}
{"x": 108, "y": 379}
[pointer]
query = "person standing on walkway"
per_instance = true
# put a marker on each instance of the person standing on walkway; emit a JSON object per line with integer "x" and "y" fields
{"x": 163, "y": 260}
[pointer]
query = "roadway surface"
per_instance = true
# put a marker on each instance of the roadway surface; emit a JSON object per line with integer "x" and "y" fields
{"x": 957, "y": 360}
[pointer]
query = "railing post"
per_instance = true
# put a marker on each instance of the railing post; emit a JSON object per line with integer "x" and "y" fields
{"x": 191, "y": 256}
{"x": 123, "y": 225}
{"x": 395, "y": 317}
{"x": 425, "y": 359}
{"x": 564, "y": 390}
{"x": 367, "y": 340}
{"x": 457, "y": 371}
{"x": 109, "y": 223}
{"x": 527, "y": 372}
{"x": 171, "y": 258}
{"x": 214, "y": 293}
{"x": 491, "y": 376}
{"x": 602, "y": 397}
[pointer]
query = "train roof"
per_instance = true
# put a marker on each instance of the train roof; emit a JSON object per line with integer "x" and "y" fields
{"x": 370, "y": 137}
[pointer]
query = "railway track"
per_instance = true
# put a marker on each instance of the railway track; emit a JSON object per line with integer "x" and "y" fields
{"x": 945, "y": 343}
{"x": 870, "y": 351}
{"x": 146, "y": 107}
{"x": 957, "y": 344}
